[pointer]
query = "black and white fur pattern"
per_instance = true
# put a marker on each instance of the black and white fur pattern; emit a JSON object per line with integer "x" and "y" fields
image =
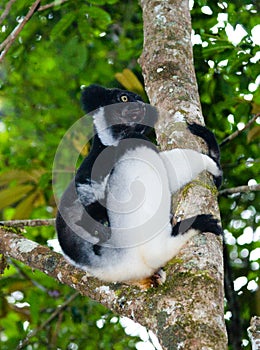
{"x": 114, "y": 219}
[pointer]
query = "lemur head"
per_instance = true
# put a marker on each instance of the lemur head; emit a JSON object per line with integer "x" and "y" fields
{"x": 117, "y": 114}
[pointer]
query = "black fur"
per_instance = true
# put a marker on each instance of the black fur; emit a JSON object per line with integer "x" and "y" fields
{"x": 203, "y": 223}
{"x": 95, "y": 96}
{"x": 213, "y": 147}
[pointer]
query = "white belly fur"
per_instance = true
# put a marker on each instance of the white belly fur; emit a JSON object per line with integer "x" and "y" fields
{"x": 139, "y": 203}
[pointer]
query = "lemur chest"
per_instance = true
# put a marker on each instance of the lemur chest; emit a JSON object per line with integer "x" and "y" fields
{"x": 138, "y": 197}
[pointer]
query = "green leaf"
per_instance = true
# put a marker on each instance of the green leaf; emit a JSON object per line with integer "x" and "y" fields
{"x": 97, "y": 2}
{"x": 34, "y": 305}
{"x": 217, "y": 47}
{"x": 20, "y": 176}
{"x": 130, "y": 81}
{"x": 253, "y": 134}
{"x": 242, "y": 110}
{"x": 99, "y": 14}
{"x": 62, "y": 25}
{"x": 25, "y": 207}
{"x": 13, "y": 195}
{"x": 75, "y": 54}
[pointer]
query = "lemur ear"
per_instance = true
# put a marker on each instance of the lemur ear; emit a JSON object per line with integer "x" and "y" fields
{"x": 93, "y": 97}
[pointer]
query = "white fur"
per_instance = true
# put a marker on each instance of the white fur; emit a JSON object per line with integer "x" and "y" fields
{"x": 141, "y": 261}
{"x": 91, "y": 193}
{"x": 184, "y": 165}
{"x": 138, "y": 198}
{"x": 103, "y": 131}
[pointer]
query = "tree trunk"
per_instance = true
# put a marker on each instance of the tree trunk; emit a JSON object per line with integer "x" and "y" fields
{"x": 191, "y": 311}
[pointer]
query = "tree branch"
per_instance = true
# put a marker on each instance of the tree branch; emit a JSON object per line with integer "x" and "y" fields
{"x": 240, "y": 189}
{"x": 32, "y": 223}
{"x": 52, "y": 4}
{"x": 6, "y": 10}
{"x": 7, "y": 43}
{"x": 254, "y": 332}
{"x": 238, "y": 132}
{"x": 26, "y": 277}
{"x": 122, "y": 299}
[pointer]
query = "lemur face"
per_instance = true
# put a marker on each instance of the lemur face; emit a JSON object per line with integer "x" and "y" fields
{"x": 95, "y": 96}
{"x": 118, "y": 113}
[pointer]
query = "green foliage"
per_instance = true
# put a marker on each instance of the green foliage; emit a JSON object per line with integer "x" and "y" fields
{"x": 24, "y": 188}
{"x": 224, "y": 72}
{"x": 27, "y": 304}
{"x": 82, "y": 42}
{"x": 61, "y": 45}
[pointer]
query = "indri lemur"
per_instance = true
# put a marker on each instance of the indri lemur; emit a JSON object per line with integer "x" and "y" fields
{"x": 114, "y": 219}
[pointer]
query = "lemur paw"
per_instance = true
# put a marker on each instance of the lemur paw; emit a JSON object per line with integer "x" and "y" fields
{"x": 158, "y": 278}
{"x": 218, "y": 180}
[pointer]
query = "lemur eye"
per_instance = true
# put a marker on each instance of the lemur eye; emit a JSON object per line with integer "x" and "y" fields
{"x": 124, "y": 98}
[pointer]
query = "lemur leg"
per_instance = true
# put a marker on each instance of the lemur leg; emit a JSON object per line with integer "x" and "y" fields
{"x": 199, "y": 223}
{"x": 157, "y": 279}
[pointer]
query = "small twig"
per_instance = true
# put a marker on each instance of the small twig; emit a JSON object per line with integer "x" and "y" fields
{"x": 240, "y": 189}
{"x": 52, "y": 4}
{"x": 5, "y": 46}
{"x": 56, "y": 331}
{"x": 236, "y": 133}
{"x": 22, "y": 223}
{"x": 7, "y": 40}
{"x": 6, "y": 10}
{"x": 24, "y": 342}
{"x": 7, "y": 43}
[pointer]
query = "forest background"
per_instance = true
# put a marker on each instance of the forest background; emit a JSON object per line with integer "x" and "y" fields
{"x": 62, "y": 48}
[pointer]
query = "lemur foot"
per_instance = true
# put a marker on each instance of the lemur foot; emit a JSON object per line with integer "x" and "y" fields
{"x": 157, "y": 279}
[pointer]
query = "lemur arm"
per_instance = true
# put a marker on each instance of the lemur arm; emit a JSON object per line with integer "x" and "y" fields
{"x": 183, "y": 165}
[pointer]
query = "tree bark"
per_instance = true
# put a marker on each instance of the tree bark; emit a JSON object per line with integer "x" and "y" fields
{"x": 254, "y": 332}
{"x": 190, "y": 313}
